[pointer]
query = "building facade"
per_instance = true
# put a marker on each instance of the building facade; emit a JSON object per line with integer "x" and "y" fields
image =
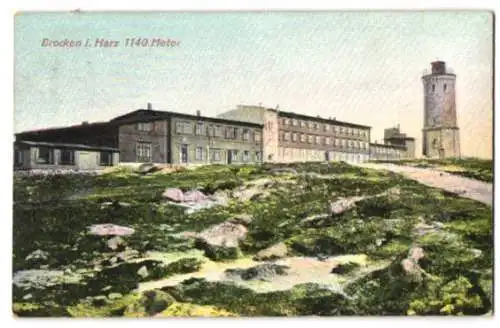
{"x": 393, "y": 136}
{"x": 385, "y": 152}
{"x": 440, "y": 131}
{"x": 291, "y": 137}
{"x": 151, "y": 136}
{"x": 29, "y": 155}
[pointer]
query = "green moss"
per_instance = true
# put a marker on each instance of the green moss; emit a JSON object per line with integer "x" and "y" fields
{"x": 150, "y": 303}
{"x": 115, "y": 308}
{"x": 193, "y": 310}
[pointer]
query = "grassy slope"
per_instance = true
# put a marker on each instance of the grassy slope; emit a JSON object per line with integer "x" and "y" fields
{"x": 45, "y": 219}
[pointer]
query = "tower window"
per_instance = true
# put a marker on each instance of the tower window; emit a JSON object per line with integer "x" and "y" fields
{"x": 433, "y": 87}
{"x": 444, "y": 88}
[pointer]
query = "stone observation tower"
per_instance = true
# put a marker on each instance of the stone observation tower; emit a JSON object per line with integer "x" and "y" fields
{"x": 440, "y": 132}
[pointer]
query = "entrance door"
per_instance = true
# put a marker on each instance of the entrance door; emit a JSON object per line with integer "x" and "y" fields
{"x": 327, "y": 156}
{"x": 229, "y": 156}
{"x": 184, "y": 153}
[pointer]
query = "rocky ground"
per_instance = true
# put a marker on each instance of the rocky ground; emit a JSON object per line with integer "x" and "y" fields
{"x": 274, "y": 240}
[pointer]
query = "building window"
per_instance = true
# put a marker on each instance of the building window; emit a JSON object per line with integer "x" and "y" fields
{"x": 145, "y": 126}
{"x": 143, "y": 152}
{"x": 302, "y": 138}
{"x": 310, "y": 139}
{"x": 258, "y": 156}
{"x": 433, "y": 87}
{"x": 234, "y": 155}
{"x": 216, "y": 155}
{"x": 199, "y": 129}
{"x": 106, "y": 158}
{"x": 230, "y": 133}
{"x": 444, "y": 87}
{"x": 318, "y": 140}
{"x": 327, "y": 140}
{"x": 287, "y": 136}
{"x": 246, "y": 156}
{"x": 67, "y": 157}
{"x": 199, "y": 153}
{"x": 302, "y": 124}
{"x": 316, "y": 126}
{"x": 295, "y": 137}
{"x": 18, "y": 157}
{"x": 218, "y": 131}
{"x": 287, "y": 121}
{"x": 246, "y": 134}
{"x": 45, "y": 155}
{"x": 295, "y": 122}
{"x": 326, "y": 128}
{"x": 257, "y": 136}
{"x": 183, "y": 128}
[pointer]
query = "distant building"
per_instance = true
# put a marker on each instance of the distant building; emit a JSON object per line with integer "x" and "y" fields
{"x": 292, "y": 137}
{"x": 440, "y": 131}
{"x": 393, "y": 136}
{"x": 153, "y": 136}
{"x": 30, "y": 155}
{"x": 386, "y": 152}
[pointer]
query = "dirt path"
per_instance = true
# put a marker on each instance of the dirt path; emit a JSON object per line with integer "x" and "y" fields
{"x": 469, "y": 188}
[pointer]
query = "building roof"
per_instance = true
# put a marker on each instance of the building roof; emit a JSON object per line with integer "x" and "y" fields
{"x": 64, "y": 145}
{"x": 143, "y": 115}
{"x": 319, "y": 119}
{"x": 62, "y": 128}
{"x": 400, "y": 138}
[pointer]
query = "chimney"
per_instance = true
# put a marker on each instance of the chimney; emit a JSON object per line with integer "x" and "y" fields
{"x": 198, "y": 113}
{"x": 150, "y": 106}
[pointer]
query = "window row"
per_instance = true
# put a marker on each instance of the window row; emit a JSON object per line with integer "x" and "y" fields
{"x": 379, "y": 150}
{"x": 46, "y": 155}
{"x": 321, "y": 140}
{"x": 324, "y": 127}
{"x": 218, "y": 131}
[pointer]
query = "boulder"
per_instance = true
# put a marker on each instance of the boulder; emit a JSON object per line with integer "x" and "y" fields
{"x": 149, "y": 303}
{"x": 109, "y": 229}
{"x": 243, "y": 219}
{"x": 143, "y": 272}
{"x": 147, "y": 168}
{"x": 344, "y": 268}
{"x": 272, "y": 253}
{"x": 315, "y": 218}
{"x": 263, "y": 272}
{"x": 344, "y": 204}
{"x": 174, "y": 194}
{"x": 221, "y": 241}
{"x": 115, "y": 243}
{"x": 194, "y": 196}
{"x": 37, "y": 255}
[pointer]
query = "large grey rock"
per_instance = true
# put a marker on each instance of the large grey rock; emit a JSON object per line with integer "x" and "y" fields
{"x": 115, "y": 243}
{"x": 243, "y": 219}
{"x": 271, "y": 253}
{"x": 42, "y": 278}
{"x": 263, "y": 272}
{"x": 37, "y": 255}
{"x": 109, "y": 229}
{"x": 226, "y": 234}
{"x": 194, "y": 196}
{"x": 174, "y": 194}
{"x": 344, "y": 204}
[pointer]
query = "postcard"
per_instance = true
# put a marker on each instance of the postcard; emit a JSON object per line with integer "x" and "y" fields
{"x": 253, "y": 164}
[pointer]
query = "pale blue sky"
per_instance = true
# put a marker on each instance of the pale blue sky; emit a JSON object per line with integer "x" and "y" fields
{"x": 362, "y": 67}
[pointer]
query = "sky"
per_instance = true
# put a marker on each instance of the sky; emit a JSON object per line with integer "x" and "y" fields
{"x": 360, "y": 67}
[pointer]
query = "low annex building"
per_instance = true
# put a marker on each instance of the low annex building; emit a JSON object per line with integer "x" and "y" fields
{"x": 32, "y": 155}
